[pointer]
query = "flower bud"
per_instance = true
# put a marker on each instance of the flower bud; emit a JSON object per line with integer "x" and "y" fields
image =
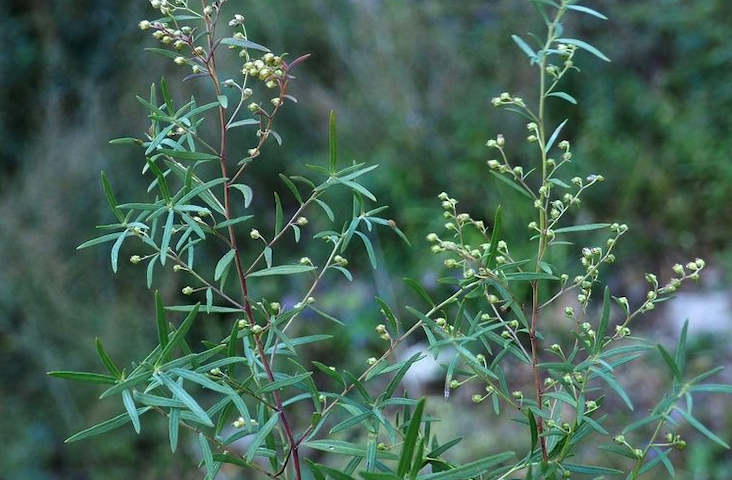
{"x": 188, "y": 290}
{"x": 255, "y": 234}
{"x": 135, "y": 259}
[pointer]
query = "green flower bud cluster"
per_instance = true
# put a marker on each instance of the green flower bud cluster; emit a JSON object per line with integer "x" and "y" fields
{"x": 269, "y": 69}
{"x": 506, "y": 98}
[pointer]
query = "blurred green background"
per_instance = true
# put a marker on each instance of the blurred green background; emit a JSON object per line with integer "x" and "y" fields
{"x": 411, "y": 81}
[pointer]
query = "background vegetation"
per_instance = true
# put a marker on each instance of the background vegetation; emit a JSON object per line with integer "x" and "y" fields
{"x": 411, "y": 82}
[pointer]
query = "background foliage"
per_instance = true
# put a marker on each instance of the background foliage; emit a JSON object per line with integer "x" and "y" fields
{"x": 411, "y": 82}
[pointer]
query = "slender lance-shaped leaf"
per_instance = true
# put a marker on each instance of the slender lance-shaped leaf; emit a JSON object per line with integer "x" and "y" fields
{"x": 87, "y": 377}
{"x": 173, "y": 428}
{"x": 167, "y": 235}
{"x": 207, "y": 454}
{"x": 131, "y": 410}
{"x": 469, "y": 470}
{"x": 111, "y": 199}
{"x": 670, "y": 362}
{"x": 604, "y": 319}
{"x": 104, "y": 427}
{"x": 587, "y": 10}
{"x": 554, "y": 136}
{"x": 584, "y": 46}
{"x": 180, "y": 333}
{"x": 184, "y": 397}
{"x": 333, "y": 143}
{"x": 564, "y": 96}
{"x": 699, "y": 426}
{"x": 282, "y": 270}
{"x": 410, "y": 440}
{"x": 160, "y": 318}
{"x": 106, "y": 360}
{"x": 524, "y": 46}
{"x": 261, "y": 437}
{"x": 582, "y": 228}
{"x": 223, "y": 264}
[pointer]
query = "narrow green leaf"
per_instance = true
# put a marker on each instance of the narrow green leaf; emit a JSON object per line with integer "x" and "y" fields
{"x": 111, "y": 199}
{"x": 511, "y": 183}
{"x": 162, "y": 182}
{"x": 103, "y": 239}
{"x": 127, "y": 383}
{"x": 184, "y": 397}
{"x": 699, "y": 426}
{"x": 284, "y": 382}
{"x": 397, "y": 379}
{"x": 106, "y": 360}
{"x": 246, "y": 121}
{"x": 291, "y": 186}
{"x": 160, "y": 318}
{"x": 584, "y": 46}
{"x": 240, "y": 42}
{"x": 156, "y": 400}
{"x": 582, "y": 228}
{"x": 129, "y": 404}
{"x": 87, "y": 377}
{"x": 223, "y": 101}
{"x": 173, "y": 428}
{"x": 555, "y": 134}
{"x": 587, "y": 10}
{"x": 166, "y": 96}
{"x": 340, "y": 447}
{"x": 604, "y": 319}
{"x": 351, "y": 421}
{"x": 564, "y": 96}
{"x": 369, "y": 248}
{"x": 167, "y": 235}
{"x": 613, "y": 383}
{"x": 260, "y": 437}
{"x": 282, "y": 270}
{"x": 590, "y": 470}
{"x": 469, "y": 470}
{"x": 215, "y": 309}
{"x": 524, "y": 46}
{"x": 335, "y": 474}
{"x": 104, "y": 427}
{"x": 534, "y": 430}
{"x": 393, "y": 322}
{"x": 233, "y": 221}
{"x": 180, "y": 333}
{"x": 114, "y": 254}
{"x": 680, "y": 357}
{"x": 278, "y": 214}
{"x": 333, "y": 143}
{"x": 670, "y": 362}
{"x": 414, "y": 285}
{"x": 410, "y": 440}
{"x": 207, "y": 454}
{"x": 326, "y": 209}
{"x": 712, "y": 388}
{"x": 223, "y": 264}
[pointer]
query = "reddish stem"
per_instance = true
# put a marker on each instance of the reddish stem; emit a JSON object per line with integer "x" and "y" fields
{"x": 211, "y": 64}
